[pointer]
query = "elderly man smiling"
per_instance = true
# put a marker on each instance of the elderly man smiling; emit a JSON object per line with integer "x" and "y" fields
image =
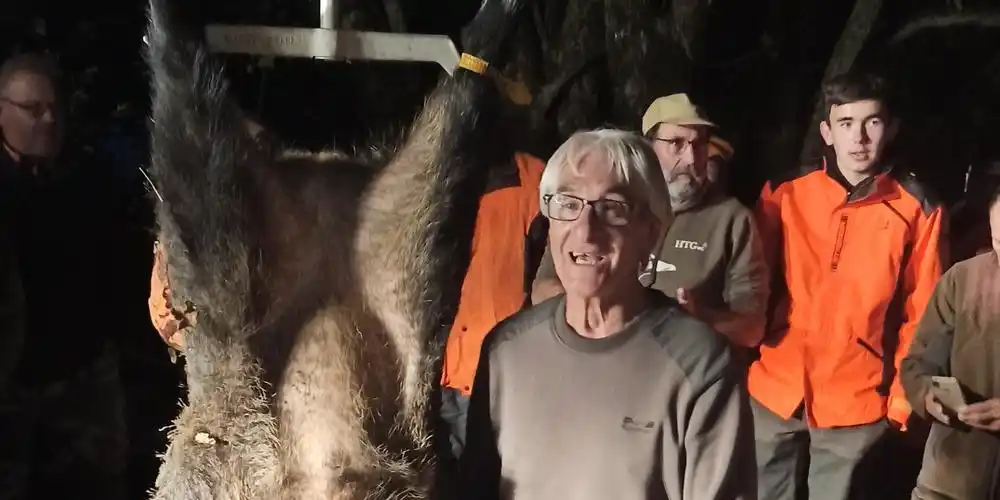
{"x": 611, "y": 390}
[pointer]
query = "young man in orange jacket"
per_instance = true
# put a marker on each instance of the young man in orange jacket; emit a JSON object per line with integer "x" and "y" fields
{"x": 857, "y": 247}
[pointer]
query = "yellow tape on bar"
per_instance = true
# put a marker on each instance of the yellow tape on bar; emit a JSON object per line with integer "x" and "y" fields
{"x": 473, "y": 63}
{"x": 515, "y": 90}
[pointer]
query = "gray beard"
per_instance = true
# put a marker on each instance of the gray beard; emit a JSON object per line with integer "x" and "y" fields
{"x": 685, "y": 194}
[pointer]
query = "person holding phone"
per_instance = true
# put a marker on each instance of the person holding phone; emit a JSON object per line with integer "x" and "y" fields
{"x": 951, "y": 377}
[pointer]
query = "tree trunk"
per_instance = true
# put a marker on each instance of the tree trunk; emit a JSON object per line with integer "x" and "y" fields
{"x": 576, "y": 29}
{"x": 650, "y": 47}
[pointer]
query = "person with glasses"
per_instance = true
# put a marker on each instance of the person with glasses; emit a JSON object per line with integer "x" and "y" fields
{"x": 610, "y": 390}
{"x": 712, "y": 261}
{"x": 61, "y": 397}
{"x": 29, "y": 117}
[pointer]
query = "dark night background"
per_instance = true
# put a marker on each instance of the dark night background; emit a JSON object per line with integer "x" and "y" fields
{"x": 755, "y": 65}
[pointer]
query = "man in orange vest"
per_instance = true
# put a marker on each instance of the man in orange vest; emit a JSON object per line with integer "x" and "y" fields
{"x": 857, "y": 246}
{"x": 507, "y": 245}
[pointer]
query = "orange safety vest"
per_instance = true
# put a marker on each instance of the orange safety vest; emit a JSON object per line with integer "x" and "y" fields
{"x": 494, "y": 286}
{"x": 858, "y": 267}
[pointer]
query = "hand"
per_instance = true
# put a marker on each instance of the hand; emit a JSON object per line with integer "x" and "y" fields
{"x": 895, "y": 426}
{"x": 935, "y": 409}
{"x": 984, "y": 415}
{"x": 685, "y": 299}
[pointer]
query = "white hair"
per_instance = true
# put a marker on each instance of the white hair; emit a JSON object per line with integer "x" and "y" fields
{"x": 633, "y": 162}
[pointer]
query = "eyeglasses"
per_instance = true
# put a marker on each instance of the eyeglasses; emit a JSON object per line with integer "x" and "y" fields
{"x": 679, "y": 145}
{"x": 35, "y": 109}
{"x": 565, "y": 207}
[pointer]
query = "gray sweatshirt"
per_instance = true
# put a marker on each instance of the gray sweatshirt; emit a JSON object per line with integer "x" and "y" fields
{"x": 657, "y": 411}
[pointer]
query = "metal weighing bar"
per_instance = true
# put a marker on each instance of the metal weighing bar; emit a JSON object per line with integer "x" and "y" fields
{"x": 326, "y": 42}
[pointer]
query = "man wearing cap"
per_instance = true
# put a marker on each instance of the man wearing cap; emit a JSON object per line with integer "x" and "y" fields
{"x": 712, "y": 259}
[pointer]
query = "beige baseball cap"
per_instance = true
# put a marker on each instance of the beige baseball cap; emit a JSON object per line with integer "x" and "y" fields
{"x": 676, "y": 109}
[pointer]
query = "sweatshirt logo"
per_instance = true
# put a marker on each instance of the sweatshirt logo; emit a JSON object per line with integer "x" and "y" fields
{"x": 691, "y": 245}
{"x": 631, "y": 424}
{"x": 660, "y": 267}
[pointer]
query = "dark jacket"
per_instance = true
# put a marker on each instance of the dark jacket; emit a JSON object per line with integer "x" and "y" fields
{"x": 11, "y": 293}
{"x": 73, "y": 243}
{"x": 959, "y": 336}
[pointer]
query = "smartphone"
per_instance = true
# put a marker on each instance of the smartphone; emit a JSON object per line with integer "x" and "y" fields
{"x": 948, "y": 391}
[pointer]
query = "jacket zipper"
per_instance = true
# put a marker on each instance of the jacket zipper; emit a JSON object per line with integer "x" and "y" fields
{"x": 839, "y": 244}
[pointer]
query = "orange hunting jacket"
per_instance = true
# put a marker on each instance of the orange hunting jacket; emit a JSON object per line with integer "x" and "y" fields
{"x": 494, "y": 286}
{"x": 855, "y": 269}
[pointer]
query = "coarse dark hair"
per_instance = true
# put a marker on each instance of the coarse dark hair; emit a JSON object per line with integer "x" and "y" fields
{"x": 854, "y": 86}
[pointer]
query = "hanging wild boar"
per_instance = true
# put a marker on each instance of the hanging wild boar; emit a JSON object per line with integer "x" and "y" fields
{"x": 321, "y": 280}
